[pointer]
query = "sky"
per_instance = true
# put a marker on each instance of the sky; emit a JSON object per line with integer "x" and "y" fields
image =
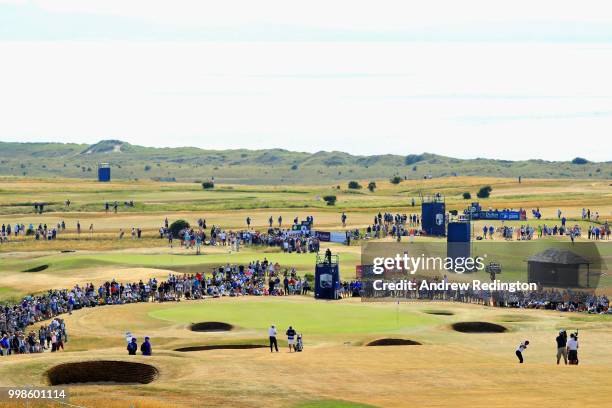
{"x": 473, "y": 78}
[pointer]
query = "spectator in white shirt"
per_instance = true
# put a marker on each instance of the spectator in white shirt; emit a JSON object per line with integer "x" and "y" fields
{"x": 572, "y": 349}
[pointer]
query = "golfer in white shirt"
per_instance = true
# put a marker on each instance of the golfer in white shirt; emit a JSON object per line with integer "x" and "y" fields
{"x": 272, "y": 336}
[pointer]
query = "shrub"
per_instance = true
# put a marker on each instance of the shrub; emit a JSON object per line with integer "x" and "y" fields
{"x": 467, "y": 195}
{"x": 484, "y": 192}
{"x": 330, "y": 199}
{"x": 294, "y": 167}
{"x": 579, "y": 160}
{"x": 413, "y": 158}
{"x": 207, "y": 185}
{"x": 354, "y": 185}
{"x": 177, "y": 226}
{"x": 147, "y": 168}
{"x": 372, "y": 186}
{"x": 395, "y": 180}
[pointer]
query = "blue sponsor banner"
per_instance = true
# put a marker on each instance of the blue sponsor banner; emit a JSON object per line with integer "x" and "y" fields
{"x": 323, "y": 236}
{"x": 510, "y": 215}
{"x": 498, "y": 215}
{"x": 488, "y": 215}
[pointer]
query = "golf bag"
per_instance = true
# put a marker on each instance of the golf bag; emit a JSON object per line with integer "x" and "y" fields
{"x": 299, "y": 345}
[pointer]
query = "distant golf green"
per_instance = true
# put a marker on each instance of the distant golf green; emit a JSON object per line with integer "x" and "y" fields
{"x": 314, "y": 318}
{"x": 67, "y": 262}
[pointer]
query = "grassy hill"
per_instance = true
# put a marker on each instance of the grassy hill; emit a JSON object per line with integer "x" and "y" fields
{"x": 270, "y": 166}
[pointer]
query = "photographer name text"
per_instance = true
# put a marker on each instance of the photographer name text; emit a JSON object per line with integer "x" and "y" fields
{"x": 424, "y": 285}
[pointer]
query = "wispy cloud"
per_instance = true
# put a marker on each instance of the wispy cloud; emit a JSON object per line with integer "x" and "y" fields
{"x": 459, "y": 78}
{"x": 484, "y": 120}
{"x": 317, "y": 20}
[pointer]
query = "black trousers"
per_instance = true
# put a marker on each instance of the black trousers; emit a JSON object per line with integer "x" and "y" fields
{"x": 273, "y": 343}
{"x": 520, "y": 356}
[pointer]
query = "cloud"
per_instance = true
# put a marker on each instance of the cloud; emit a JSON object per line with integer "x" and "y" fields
{"x": 362, "y": 98}
{"x": 384, "y": 14}
{"x": 316, "y": 20}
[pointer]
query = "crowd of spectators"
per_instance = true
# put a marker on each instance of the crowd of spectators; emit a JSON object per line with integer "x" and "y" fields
{"x": 258, "y": 278}
{"x": 394, "y": 225}
{"x": 288, "y": 240}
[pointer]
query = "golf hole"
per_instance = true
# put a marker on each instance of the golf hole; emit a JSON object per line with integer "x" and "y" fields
{"x": 220, "y": 347}
{"x": 211, "y": 327}
{"x": 478, "y": 327}
{"x": 121, "y": 372}
{"x": 37, "y": 268}
{"x": 393, "y": 342}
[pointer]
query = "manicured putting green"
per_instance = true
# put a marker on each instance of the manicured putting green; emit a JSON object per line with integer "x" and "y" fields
{"x": 319, "y": 317}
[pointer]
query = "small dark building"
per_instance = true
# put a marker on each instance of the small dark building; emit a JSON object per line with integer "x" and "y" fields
{"x": 559, "y": 268}
{"x": 458, "y": 243}
{"x": 433, "y": 219}
{"x": 104, "y": 172}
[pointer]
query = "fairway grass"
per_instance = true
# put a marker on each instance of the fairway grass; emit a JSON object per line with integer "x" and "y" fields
{"x": 336, "y": 369}
{"x": 67, "y": 269}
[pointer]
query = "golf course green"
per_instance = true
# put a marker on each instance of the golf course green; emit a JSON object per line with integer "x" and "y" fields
{"x": 315, "y": 318}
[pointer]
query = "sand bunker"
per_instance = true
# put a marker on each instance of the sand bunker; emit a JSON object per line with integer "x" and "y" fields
{"x": 439, "y": 312}
{"x": 220, "y": 347}
{"x": 393, "y": 342}
{"x": 37, "y": 268}
{"x": 478, "y": 327}
{"x": 123, "y": 372}
{"x": 211, "y": 327}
